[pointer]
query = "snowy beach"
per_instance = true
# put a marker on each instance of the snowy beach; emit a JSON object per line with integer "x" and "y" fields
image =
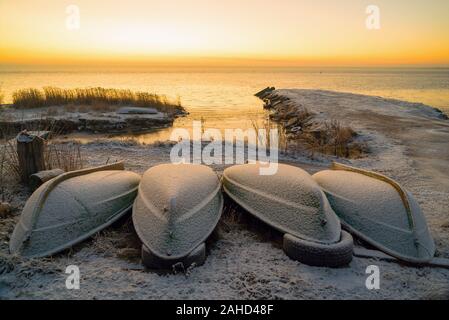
{"x": 407, "y": 142}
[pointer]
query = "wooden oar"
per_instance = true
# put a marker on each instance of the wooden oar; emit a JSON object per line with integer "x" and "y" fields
{"x": 375, "y": 254}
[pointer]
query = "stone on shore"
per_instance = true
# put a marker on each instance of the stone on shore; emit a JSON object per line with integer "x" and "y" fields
{"x": 136, "y": 110}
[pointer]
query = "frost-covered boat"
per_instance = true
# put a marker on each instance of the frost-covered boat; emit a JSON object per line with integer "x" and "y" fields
{"x": 293, "y": 203}
{"x": 379, "y": 211}
{"x": 177, "y": 208}
{"x": 72, "y": 207}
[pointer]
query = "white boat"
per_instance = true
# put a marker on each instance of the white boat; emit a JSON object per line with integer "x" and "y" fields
{"x": 293, "y": 203}
{"x": 177, "y": 208}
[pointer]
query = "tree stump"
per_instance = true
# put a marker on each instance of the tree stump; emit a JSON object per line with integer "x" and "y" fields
{"x": 30, "y": 153}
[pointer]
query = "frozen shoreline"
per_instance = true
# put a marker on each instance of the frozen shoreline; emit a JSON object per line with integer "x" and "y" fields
{"x": 67, "y": 121}
{"x": 408, "y": 143}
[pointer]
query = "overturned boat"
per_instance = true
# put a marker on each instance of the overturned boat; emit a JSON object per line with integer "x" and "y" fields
{"x": 72, "y": 207}
{"x": 177, "y": 208}
{"x": 378, "y": 210}
{"x": 293, "y": 203}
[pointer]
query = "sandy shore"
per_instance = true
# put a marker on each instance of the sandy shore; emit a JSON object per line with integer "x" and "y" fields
{"x": 408, "y": 142}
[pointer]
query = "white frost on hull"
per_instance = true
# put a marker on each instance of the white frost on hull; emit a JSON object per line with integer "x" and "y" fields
{"x": 290, "y": 201}
{"x": 177, "y": 208}
{"x": 72, "y": 207}
{"x": 378, "y": 210}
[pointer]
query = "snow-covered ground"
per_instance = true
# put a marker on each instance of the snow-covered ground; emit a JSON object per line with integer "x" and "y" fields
{"x": 61, "y": 112}
{"x": 408, "y": 142}
{"x": 68, "y": 119}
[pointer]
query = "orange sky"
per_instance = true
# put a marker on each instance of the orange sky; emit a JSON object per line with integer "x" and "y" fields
{"x": 224, "y": 33}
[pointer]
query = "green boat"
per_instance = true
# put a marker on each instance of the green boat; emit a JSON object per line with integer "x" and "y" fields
{"x": 378, "y": 210}
{"x": 71, "y": 208}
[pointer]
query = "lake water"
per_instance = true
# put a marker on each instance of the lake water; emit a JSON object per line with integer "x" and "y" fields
{"x": 225, "y": 98}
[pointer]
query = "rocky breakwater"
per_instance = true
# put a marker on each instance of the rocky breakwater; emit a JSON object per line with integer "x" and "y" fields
{"x": 306, "y": 129}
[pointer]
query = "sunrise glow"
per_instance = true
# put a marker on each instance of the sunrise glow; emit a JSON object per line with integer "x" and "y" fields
{"x": 233, "y": 32}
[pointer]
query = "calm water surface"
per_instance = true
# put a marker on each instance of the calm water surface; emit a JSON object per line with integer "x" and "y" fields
{"x": 225, "y": 99}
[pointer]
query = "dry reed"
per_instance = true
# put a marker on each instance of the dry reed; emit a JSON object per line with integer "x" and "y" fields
{"x": 267, "y": 127}
{"x": 332, "y": 138}
{"x": 2, "y": 95}
{"x": 65, "y": 156}
{"x": 326, "y": 137}
{"x": 98, "y": 97}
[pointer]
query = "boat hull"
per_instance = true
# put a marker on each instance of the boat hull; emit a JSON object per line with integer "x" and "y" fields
{"x": 379, "y": 211}
{"x": 289, "y": 201}
{"x": 177, "y": 208}
{"x": 72, "y": 207}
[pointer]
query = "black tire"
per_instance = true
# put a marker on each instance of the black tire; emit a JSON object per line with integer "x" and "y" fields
{"x": 151, "y": 261}
{"x": 320, "y": 255}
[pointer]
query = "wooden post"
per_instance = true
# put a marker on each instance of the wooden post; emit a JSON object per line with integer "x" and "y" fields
{"x": 30, "y": 151}
{"x": 39, "y": 178}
